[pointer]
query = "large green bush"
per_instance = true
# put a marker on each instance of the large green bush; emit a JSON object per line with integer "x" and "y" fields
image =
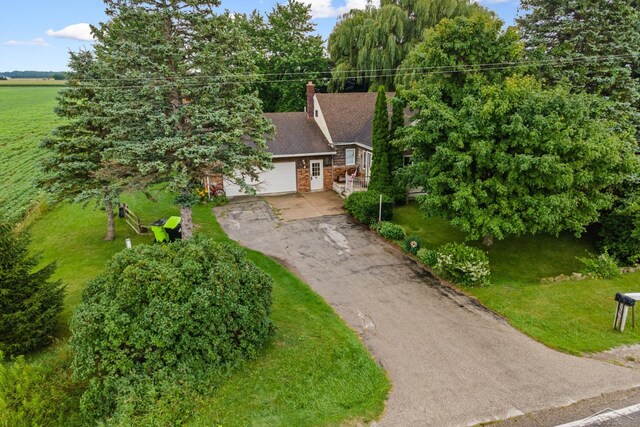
{"x": 161, "y": 323}
{"x": 30, "y": 302}
{"x": 364, "y": 206}
{"x": 463, "y": 264}
{"x": 620, "y": 236}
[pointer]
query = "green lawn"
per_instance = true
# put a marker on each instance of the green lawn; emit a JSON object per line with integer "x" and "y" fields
{"x": 575, "y": 317}
{"x": 315, "y": 372}
{"x": 26, "y": 117}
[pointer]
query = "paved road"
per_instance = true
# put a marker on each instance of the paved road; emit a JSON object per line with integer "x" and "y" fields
{"x": 451, "y": 362}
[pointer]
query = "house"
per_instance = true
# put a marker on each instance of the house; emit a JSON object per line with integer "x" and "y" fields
{"x": 316, "y": 148}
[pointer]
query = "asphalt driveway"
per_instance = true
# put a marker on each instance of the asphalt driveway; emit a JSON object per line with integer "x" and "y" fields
{"x": 451, "y": 362}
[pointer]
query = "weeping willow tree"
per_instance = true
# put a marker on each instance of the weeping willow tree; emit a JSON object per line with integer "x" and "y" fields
{"x": 368, "y": 45}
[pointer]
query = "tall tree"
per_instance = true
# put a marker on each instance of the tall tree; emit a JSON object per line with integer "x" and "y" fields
{"x": 368, "y": 45}
{"x": 76, "y": 148}
{"x": 288, "y": 53}
{"x": 30, "y": 302}
{"x": 596, "y": 45}
{"x": 182, "y": 105}
{"x": 381, "y": 179}
{"x": 497, "y": 153}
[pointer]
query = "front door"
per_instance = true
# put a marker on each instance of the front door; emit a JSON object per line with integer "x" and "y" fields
{"x": 317, "y": 179}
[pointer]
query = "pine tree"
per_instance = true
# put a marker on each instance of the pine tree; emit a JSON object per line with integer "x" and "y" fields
{"x": 597, "y": 43}
{"x": 182, "y": 106}
{"x": 30, "y": 302}
{"x": 380, "y": 180}
{"x": 76, "y": 149}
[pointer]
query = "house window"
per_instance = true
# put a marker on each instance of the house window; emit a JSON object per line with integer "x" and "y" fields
{"x": 350, "y": 156}
{"x": 316, "y": 113}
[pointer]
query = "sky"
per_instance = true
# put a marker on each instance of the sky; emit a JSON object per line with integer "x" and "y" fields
{"x": 38, "y": 34}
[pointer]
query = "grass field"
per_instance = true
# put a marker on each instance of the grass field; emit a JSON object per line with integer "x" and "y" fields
{"x": 575, "y": 317}
{"x": 26, "y": 116}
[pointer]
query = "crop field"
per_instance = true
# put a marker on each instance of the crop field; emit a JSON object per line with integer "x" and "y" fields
{"x": 31, "y": 82}
{"x": 26, "y": 117}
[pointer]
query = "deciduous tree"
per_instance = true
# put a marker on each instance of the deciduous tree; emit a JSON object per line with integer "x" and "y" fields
{"x": 496, "y": 152}
{"x": 368, "y": 45}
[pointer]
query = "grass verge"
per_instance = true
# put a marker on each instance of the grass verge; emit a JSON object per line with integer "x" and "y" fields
{"x": 575, "y": 316}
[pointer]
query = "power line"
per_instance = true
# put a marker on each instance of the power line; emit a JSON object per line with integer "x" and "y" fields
{"x": 365, "y": 71}
{"x": 166, "y": 82}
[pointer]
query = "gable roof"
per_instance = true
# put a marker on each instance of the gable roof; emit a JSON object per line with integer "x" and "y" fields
{"x": 349, "y": 116}
{"x": 296, "y": 135}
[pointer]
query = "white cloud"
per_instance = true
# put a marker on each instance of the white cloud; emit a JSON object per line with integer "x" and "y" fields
{"x": 80, "y": 31}
{"x": 35, "y": 42}
{"x": 327, "y": 9}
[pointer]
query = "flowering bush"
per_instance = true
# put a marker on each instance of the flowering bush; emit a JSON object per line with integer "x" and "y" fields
{"x": 391, "y": 231}
{"x": 412, "y": 244}
{"x": 463, "y": 264}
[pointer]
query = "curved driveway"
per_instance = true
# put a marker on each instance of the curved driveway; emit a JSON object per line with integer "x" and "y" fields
{"x": 451, "y": 362}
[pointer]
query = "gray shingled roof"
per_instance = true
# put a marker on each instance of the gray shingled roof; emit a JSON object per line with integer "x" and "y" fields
{"x": 295, "y": 135}
{"x": 349, "y": 116}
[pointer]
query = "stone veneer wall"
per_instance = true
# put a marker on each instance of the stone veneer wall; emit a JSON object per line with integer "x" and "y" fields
{"x": 304, "y": 180}
{"x": 328, "y": 178}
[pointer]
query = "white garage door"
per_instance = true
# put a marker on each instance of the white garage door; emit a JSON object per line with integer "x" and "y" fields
{"x": 280, "y": 179}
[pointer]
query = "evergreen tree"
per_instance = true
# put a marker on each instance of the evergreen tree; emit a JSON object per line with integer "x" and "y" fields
{"x": 368, "y": 45}
{"x": 30, "y": 302}
{"x": 182, "y": 106}
{"x": 396, "y": 153}
{"x": 380, "y": 179}
{"x": 76, "y": 149}
{"x": 597, "y": 44}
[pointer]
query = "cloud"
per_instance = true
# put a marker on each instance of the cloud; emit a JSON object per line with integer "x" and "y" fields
{"x": 80, "y": 31}
{"x": 326, "y": 8}
{"x": 39, "y": 41}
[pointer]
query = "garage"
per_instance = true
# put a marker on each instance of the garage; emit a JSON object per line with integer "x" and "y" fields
{"x": 280, "y": 179}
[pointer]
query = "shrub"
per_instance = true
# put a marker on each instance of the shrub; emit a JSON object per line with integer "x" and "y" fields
{"x": 463, "y": 264}
{"x": 39, "y": 393}
{"x": 219, "y": 200}
{"x": 412, "y": 244}
{"x": 364, "y": 206}
{"x": 30, "y": 302}
{"x": 428, "y": 256}
{"x": 603, "y": 266}
{"x": 391, "y": 231}
{"x": 161, "y": 322}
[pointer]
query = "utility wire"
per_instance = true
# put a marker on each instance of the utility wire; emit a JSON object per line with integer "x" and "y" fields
{"x": 160, "y": 82}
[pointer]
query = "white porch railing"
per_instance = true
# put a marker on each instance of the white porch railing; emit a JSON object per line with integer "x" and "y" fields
{"x": 355, "y": 183}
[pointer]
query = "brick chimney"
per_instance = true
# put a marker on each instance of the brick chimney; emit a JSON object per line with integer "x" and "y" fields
{"x": 311, "y": 90}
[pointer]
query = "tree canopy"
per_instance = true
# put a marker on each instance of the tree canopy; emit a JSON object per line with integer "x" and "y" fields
{"x": 288, "y": 54}
{"x": 368, "y": 45}
{"x": 182, "y": 106}
{"x": 594, "y": 45}
{"x": 499, "y": 154}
